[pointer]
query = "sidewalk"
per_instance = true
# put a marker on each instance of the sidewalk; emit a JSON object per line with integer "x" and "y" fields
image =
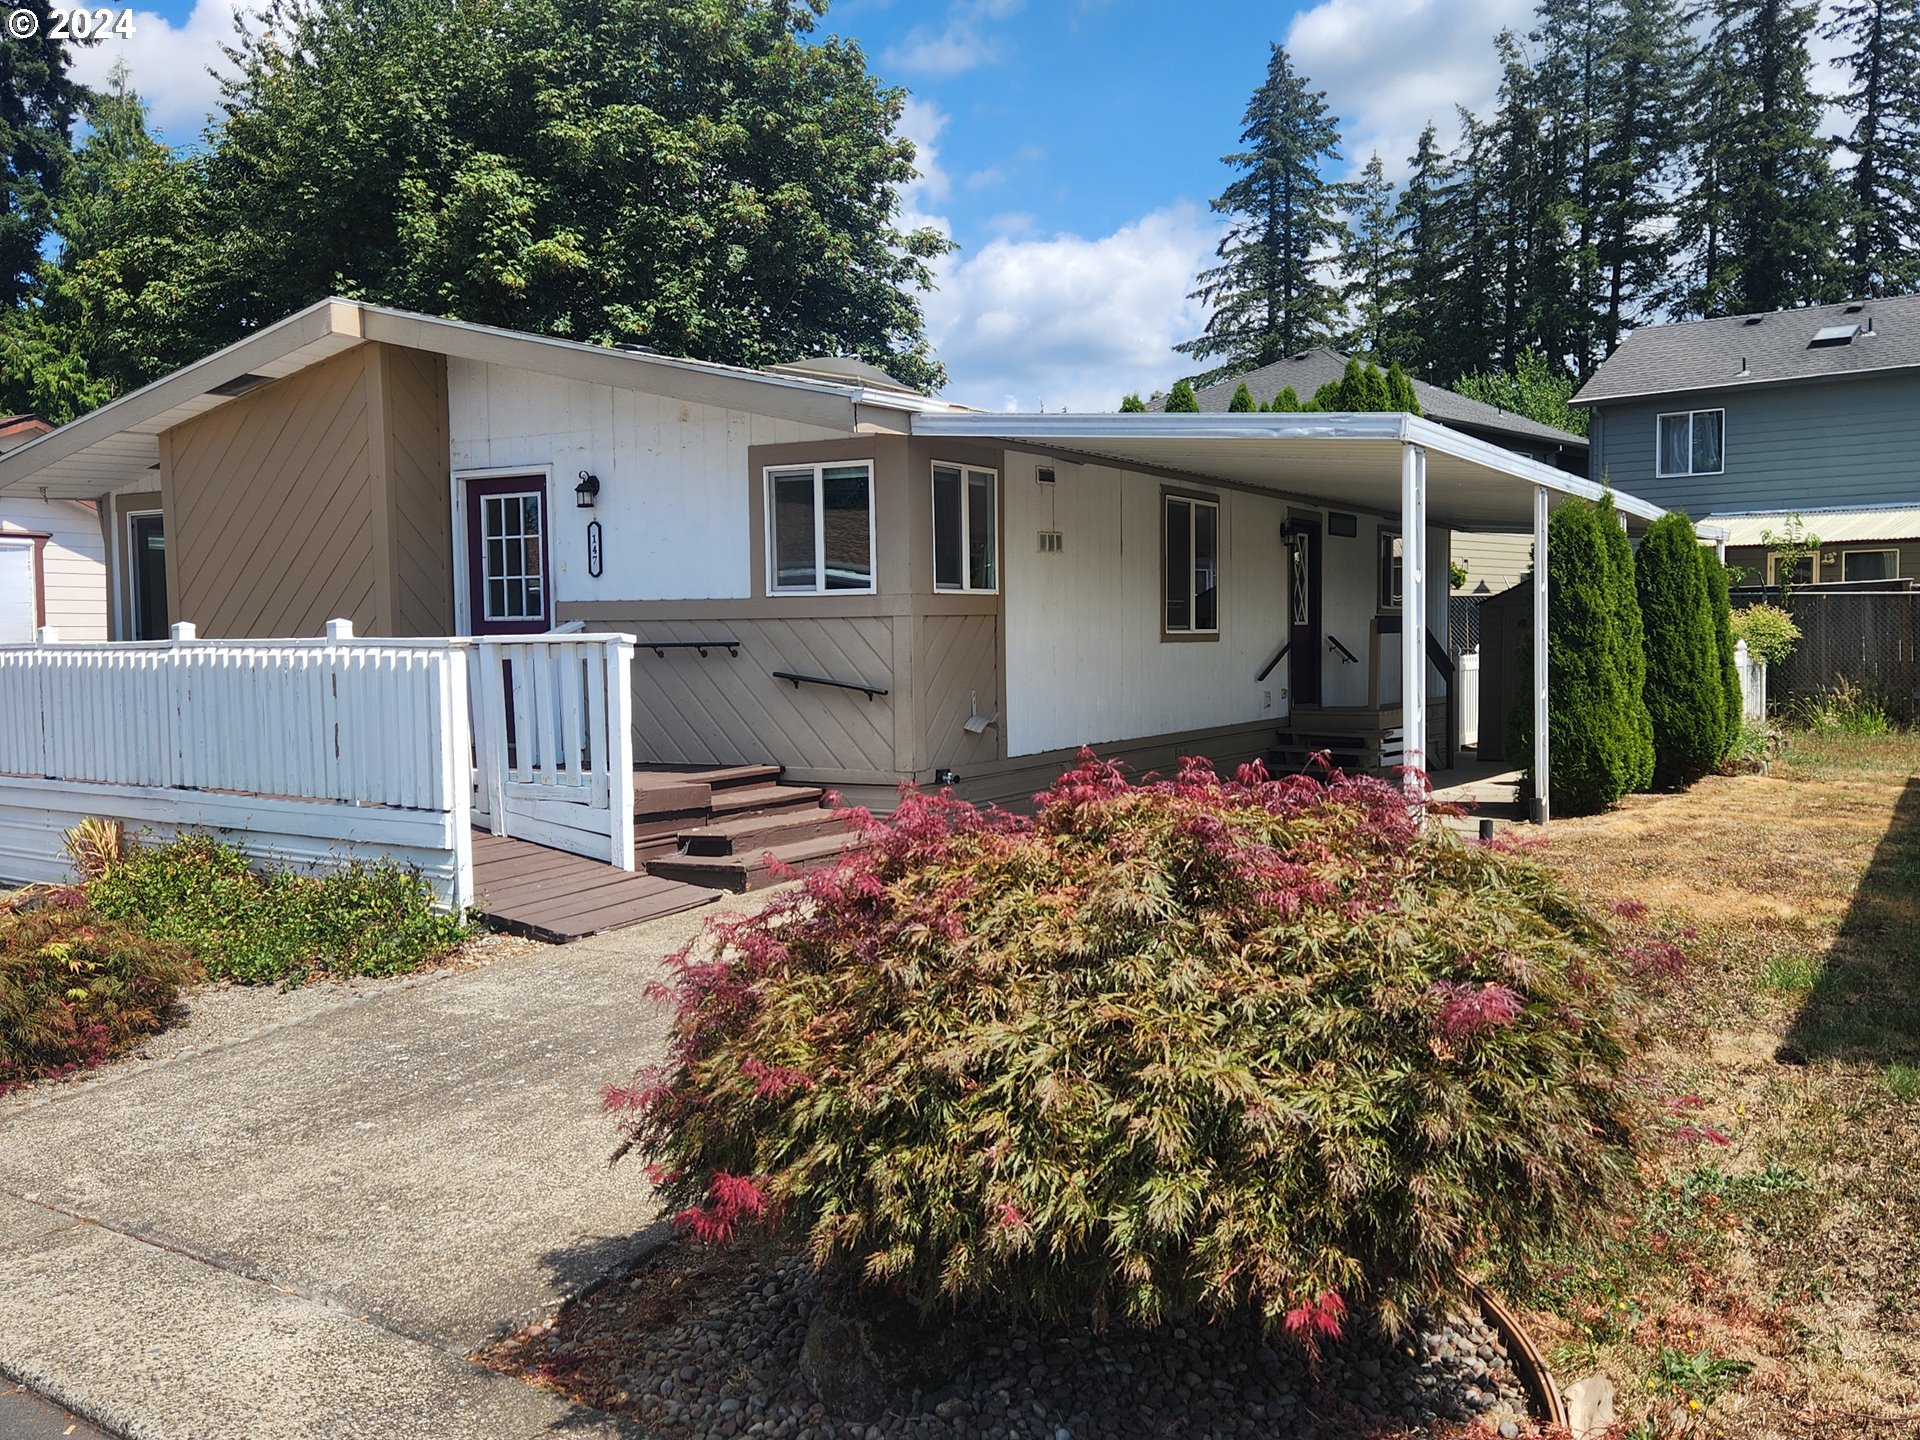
{"x": 304, "y": 1232}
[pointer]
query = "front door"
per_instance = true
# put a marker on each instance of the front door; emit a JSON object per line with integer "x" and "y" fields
{"x": 1303, "y": 607}
{"x": 509, "y": 577}
{"x": 147, "y": 566}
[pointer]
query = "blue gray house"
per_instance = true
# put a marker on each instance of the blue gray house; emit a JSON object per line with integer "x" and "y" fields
{"x": 1747, "y": 420}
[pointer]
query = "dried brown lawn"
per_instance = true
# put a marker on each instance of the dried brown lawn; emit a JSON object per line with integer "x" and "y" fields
{"x": 1795, "y": 1034}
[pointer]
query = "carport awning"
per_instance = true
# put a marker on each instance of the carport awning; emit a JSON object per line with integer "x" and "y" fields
{"x": 1337, "y": 460}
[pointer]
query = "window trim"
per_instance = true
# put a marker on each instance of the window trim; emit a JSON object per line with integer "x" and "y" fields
{"x": 966, "y": 526}
{"x": 1893, "y": 572}
{"x": 545, "y": 586}
{"x": 1193, "y": 498}
{"x": 1384, "y": 603}
{"x": 1689, "y": 472}
{"x": 1813, "y": 568}
{"x": 819, "y": 586}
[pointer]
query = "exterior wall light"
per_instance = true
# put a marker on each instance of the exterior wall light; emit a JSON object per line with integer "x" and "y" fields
{"x": 585, "y": 492}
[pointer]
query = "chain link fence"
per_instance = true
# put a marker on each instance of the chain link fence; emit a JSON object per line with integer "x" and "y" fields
{"x": 1463, "y": 624}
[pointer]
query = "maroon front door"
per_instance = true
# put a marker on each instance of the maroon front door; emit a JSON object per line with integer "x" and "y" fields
{"x": 509, "y": 579}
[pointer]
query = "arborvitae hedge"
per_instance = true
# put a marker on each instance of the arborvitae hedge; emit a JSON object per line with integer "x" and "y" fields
{"x": 1723, "y": 642}
{"x": 1686, "y": 696}
{"x": 1288, "y": 399}
{"x": 1400, "y": 391}
{"x": 1632, "y": 638}
{"x": 1592, "y": 733}
{"x": 1181, "y": 401}
{"x": 1242, "y": 401}
{"x": 1133, "y": 405}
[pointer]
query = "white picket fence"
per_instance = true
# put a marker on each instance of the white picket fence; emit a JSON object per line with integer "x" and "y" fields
{"x": 1753, "y": 682}
{"x": 1466, "y": 690}
{"x": 312, "y": 751}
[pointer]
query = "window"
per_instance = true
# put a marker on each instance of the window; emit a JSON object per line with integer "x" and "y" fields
{"x": 1692, "y": 443}
{"x": 1869, "y": 564}
{"x": 1192, "y": 566}
{"x": 1802, "y": 571}
{"x": 1392, "y": 566}
{"x": 820, "y": 529}
{"x": 147, "y": 565}
{"x": 965, "y": 528}
{"x": 511, "y": 555}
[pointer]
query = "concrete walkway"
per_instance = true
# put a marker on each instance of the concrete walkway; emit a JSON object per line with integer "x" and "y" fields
{"x": 305, "y": 1231}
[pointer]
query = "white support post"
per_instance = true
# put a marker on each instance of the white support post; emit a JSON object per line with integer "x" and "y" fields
{"x": 1413, "y": 620}
{"x": 183, "y": 631}
{"x": 47, "y": 635}
{"x": 1541, "y": 768}
{"x": 619, "y": 759}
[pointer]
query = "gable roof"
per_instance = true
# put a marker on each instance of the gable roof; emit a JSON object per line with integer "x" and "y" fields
{"x": 1310, "y": 369}
{"x": 118, "y": 443}
{"x": 1742, "y": 351}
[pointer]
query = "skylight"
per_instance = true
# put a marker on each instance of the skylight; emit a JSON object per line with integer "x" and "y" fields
{"x": 1834, "y": 335}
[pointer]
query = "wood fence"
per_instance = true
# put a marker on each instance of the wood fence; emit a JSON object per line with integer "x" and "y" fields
{"x": 1864, "y": 639}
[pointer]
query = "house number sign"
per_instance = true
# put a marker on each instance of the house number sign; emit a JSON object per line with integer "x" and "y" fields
{"x": 593, "y": 549}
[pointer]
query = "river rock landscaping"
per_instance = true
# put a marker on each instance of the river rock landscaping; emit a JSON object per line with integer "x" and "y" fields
{"x": 707, "y": 1344}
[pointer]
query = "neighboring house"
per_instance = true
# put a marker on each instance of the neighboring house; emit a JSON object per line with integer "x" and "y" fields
{"x": 886, "y": 586}
{"x": 1746, "y": 420}
{"x": 53, "y": 567}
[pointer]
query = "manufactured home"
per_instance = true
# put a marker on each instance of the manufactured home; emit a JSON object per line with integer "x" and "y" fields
{"x": 822, "y": 570}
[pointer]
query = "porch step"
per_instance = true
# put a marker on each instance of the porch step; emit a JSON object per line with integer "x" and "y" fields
{"x": 752, "y": 870}
{"x": 526, "y": 889}
{"x": 742, "y": 800}
{"x": 752, "y": 833}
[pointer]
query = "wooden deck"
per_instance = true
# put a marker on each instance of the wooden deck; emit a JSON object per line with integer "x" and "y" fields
{"x": 527, "y": 889}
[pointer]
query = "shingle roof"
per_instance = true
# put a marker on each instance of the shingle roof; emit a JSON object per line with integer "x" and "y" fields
{"x": 1736, "y": 351}
{"x": 1310, "y": 369}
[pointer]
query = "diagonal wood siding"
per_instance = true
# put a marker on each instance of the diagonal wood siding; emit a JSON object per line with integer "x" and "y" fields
{"x": 957, "y": 660}
{"x": 417, "y": 477}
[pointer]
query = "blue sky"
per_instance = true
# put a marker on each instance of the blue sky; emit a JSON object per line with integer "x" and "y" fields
{"x": 1069, "y": 146}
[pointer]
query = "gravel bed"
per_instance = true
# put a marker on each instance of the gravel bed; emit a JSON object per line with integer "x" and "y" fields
{"x": 706, "y": 1345}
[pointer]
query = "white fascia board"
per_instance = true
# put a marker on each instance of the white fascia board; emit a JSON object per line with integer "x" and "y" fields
{"x": 1062, "y": 429}
{"x": 1434, "y": 436}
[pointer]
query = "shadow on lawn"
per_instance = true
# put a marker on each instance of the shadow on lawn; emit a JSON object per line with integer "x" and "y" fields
{"x": 1865, "y": 1005}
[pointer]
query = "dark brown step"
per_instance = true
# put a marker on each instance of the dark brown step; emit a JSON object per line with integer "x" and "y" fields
{"x": 751, "y": 833}
{"x": 762, "y": 799}
{"x": 751, "y": 871}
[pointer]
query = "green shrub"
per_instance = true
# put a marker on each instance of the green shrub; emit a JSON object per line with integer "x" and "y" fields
{"x": 261, "y": 927}
{"x": 1769, "y": 631}
{"x": 1254, "y": 1045}
{"x": 1242, "y": 401}
{"x": 1181, "y": 399}
{"x": 1685, "y": 690}
{"x": 1631, "y": 635}
{"x": 1286, "y": 400}
{"x": 1732, "y": 698}
{"x": 1132, "y": 404}
{"x": 76, "y": 990}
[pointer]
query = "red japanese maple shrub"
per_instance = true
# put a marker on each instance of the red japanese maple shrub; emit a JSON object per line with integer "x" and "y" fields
{"x": 1190, "y": 1046}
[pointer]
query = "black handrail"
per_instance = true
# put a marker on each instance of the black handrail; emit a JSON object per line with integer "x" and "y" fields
{"x": 798, "y": 680}
{"x": 1333, "y": 643}
{"x": 1279, "y": 655}
{"x": 660, "y": 647}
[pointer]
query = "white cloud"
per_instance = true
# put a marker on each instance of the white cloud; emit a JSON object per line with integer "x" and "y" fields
{"x": 168, "y": 64}
{"x": 921, "y": 121}
{"x": 962, "y": 43}
{"x": 1070, "y": 321}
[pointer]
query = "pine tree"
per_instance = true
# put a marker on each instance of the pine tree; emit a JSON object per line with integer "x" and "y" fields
{"x": 1732, "y": 698}
{"x": 1631, "y": 636}
{"x": 1132, "y": 404}
{"x": 1242, "y": 400}
{"x": 1685, "y": 688}
{"x": 1373, "y": 264}
{"x": 1570, "y": 77}
{"x": 1266, "y": 295}
{"x": 1181, "y": 399}
{"x": 39, "y": 102}
{"x": 1421, "y": 217}
{"x": 1758, "y": 219}
{"x": 1286, "y": 400}
{"x": 1880, "y": 246}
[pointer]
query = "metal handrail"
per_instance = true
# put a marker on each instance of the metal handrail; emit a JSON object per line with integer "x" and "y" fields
{"x": 660, "y": 647}
{"x": 798, "y": 680}
{"x": 1279, "y": 655}
{"x": 1333, "y": 643}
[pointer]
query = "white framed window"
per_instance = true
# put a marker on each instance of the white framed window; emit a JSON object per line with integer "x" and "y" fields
{"x": 1804, "y": 571}
{"x": 1869, "y": 564}
{"x": 1691, "y": 442}
{"x": 1393, "y": 552}
{"x": 820, "y": 529}
{"x": 966, "y": 528}
{"x": 1191, "y": 534}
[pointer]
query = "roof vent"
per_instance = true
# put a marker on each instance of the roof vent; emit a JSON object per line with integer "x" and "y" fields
{"x": 1828, "y": 335}
{"x": 1755, "y": 319}
{"x": 1742, "y": 371}
{"x": 239, "y": 385}
{"x": 634, "y": 347}
{"x": 1855, "y": 307}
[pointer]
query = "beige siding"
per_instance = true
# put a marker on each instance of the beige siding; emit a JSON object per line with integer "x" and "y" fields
{"x": 75, "y": 573}
{"x": 119, "y": 506}
{"x": 957, "y": 664}
{"x": 320, "y": 496}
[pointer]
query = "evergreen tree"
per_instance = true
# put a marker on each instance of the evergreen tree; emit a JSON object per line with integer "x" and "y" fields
{"x": 1286, "y": 400}
{"x": 1880, "y": 245}
{"x": 1685, "y": 688}
{"x": 1717, "y": 598}
{"x": 1758, "y": 219}
{"x": 1242, "y": 401}
{"x": 1574, "y": 44}
{"x": 1631, "y": 636}
{"x": 1400, "y": 392}
{"x": 1421, "y": 217}
{"x": 1373, "y": 264}
{"x": 1591, "y": 738}
{"x": 1532, "y": 388}
{"x": 1181, "y": 399}
{"x": 1266, "y": 295}
{"x": 39, "y": 102}
{"x": 1133, "y": 405}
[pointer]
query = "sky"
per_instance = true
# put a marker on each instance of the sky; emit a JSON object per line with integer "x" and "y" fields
{"x": 1069, "y": 147}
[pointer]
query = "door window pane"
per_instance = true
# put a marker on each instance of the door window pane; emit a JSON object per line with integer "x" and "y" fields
{"x": 149, "y": 559}
{"x": 948, "y": 570}
{"x": 513, "y": 566}
{"x": 1179, "y": 565}
{"x": 981, "y": 546}
{"x": 1206, "y": 568}
{"x": 846, "y": 518}
{"x": 793, "y": 532}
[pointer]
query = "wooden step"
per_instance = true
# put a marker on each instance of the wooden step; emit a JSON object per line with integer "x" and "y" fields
{"x": 527, "y": 889}
{"x": 751, "y": 871}
{"x": 742, "y": 800}
{"x": 733, "y": 776}
{"x": 751, "y": 833}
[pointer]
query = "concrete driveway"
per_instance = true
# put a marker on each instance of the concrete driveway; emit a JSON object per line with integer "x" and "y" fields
{"x": 305, "y": 1230}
